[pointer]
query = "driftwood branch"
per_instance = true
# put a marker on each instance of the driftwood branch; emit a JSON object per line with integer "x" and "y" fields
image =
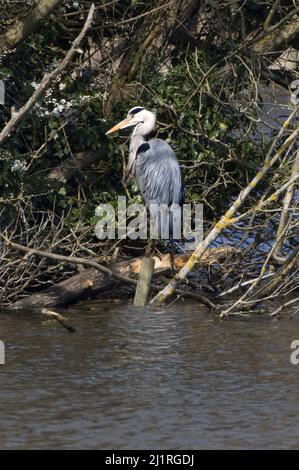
{"x": 60, "y": 318}
{"x": 23, "y": 28}
{"x": 46, "y": 82}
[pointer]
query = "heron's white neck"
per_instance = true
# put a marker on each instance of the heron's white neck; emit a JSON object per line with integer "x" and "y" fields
{"x": 147, "y": 123}
{"x": 138, "y": 136}
{"x": 136, "y": 140}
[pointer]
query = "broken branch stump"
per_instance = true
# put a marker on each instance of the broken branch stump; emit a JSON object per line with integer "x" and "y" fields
{"x": 144, "y": 282}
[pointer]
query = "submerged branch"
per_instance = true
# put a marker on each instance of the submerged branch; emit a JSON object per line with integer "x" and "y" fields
{"x": 23, "y": 28}
{"x": 60, "y": 318}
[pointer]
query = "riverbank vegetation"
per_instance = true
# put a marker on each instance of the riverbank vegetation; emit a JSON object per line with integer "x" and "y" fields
{"x": 221, "y": 76}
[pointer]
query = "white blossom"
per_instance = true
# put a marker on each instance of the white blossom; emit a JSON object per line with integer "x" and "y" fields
{"x": 18, "y": 166}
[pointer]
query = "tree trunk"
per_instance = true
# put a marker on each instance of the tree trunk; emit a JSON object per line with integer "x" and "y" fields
{"x": 23, "y": 28}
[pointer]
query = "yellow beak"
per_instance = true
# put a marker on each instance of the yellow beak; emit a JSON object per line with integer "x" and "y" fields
{"x": 122, "y": 125}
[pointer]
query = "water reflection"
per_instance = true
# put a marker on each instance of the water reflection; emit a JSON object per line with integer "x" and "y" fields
{"x": 138, "y": 378}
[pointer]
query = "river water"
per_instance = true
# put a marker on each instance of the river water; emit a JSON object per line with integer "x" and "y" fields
{"x": 145, "y": 379}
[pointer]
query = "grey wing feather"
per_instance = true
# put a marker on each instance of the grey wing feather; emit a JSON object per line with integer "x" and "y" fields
{"x": 158, "y": 173}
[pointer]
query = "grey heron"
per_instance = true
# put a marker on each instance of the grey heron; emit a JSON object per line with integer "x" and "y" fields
{"x": 152, "y": 162}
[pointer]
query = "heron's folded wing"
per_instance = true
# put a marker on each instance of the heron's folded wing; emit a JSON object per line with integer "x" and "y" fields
{"x": 158, "y": 173}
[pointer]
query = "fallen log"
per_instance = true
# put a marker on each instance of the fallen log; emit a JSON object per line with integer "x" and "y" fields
{"x": 87, "y": 283}
{"x": 91, "y": 282}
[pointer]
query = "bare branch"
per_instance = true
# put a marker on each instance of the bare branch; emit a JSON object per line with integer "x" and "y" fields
{"x": 46, "y": 82}
{"x": 228, "y": 218}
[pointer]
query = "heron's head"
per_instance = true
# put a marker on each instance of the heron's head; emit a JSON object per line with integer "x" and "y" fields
{"x": 143, "y": 120}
